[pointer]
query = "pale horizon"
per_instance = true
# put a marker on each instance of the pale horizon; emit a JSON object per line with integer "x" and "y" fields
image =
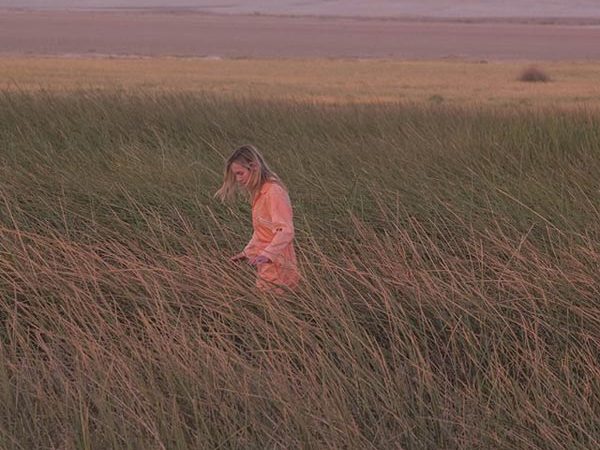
{"x": 360, "y": 8}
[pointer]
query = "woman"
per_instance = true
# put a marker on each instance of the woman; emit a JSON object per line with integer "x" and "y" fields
{"x": 271, "y": 249}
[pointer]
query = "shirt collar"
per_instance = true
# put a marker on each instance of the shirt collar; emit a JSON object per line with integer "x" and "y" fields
{"x": 265, "y": 187}
{"x": 263, "y": 190}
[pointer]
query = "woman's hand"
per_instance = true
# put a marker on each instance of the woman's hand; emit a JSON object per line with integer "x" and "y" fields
{"x": 239, "y": 257}
{"x": 257, "y": 260}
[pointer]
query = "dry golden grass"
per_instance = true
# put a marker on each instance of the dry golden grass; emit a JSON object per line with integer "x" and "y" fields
{"x": 450, "y": 277}
{"x": 317, "y": 80}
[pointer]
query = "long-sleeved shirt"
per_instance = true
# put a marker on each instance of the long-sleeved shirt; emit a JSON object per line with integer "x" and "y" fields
{"x": 273, "y": 236}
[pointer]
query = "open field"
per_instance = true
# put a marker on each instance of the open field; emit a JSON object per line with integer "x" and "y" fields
{"x": 316, "y": 80}
{"x": 164, "y": 33}
{"x": 447, "y": 225}
{"x": 450, "y": 259}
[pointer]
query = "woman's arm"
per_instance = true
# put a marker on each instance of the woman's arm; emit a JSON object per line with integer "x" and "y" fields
{"x": 282, "y": 219}
{"x": 247, "y": 253}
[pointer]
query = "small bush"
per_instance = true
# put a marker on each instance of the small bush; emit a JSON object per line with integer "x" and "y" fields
{"x": 534, "y": 74}
{"x": 436, "y": 98}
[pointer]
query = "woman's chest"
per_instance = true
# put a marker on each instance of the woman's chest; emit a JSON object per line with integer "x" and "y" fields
{"x": 261, "y": 214}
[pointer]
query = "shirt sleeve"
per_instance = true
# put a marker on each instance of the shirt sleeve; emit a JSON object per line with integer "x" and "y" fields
{"x": 282, "y": 222}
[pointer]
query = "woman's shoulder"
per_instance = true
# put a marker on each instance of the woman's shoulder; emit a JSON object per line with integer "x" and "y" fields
{"x": 274, "y": 187}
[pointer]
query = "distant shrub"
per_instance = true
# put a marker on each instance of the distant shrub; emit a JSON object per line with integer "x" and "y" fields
{"x": 534, "y": 74}
{"x": 436, "y": 98}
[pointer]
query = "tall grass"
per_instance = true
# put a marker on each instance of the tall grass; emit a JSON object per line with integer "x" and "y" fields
{"x": 450, "y": 261}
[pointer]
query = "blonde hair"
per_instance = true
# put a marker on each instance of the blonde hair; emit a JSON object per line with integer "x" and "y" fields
{"x": 250, "y": 158}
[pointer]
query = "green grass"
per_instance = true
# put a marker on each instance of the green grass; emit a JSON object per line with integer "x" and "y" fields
{"x": 450, "y": 260}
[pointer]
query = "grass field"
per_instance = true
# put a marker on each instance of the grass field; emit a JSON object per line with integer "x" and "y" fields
{"x": 454, "y": 82}
{"x": 449, "y": 252}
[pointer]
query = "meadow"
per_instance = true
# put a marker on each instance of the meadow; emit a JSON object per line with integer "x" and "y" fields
{"x": 455, "y": 82}
{"x": 449, "y": 254}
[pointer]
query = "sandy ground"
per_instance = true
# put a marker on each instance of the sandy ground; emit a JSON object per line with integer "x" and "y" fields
{"x": 159, "y": 33}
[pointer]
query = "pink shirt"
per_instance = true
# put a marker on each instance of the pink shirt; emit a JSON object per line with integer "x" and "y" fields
{"x": 273, "y": 236}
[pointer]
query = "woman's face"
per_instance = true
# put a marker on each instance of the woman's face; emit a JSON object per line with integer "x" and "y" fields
{"x": 241, "y": 173}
